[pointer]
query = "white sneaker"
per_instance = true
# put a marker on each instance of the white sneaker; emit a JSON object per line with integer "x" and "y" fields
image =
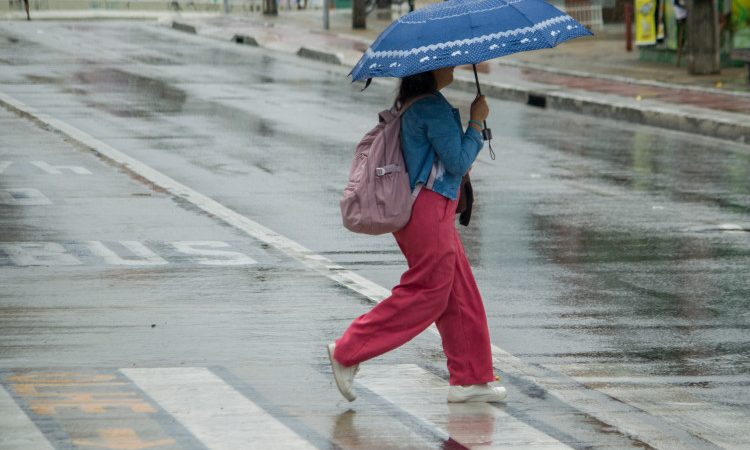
{"x": 476, "y": 393}
{"x": 343, "y": 375}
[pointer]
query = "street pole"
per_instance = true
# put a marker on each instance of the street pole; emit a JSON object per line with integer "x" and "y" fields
{"x": 383, "y": 9}
{"x": 628, "y": 13}
{"x": 703, "y": 42}
{"x": 359, "y": 14}
{"x": 326, "y": 6}
{"x": 226, "y": 6}
{"x": 270, "y": 8}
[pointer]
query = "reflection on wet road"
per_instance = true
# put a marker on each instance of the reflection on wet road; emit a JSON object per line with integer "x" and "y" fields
{"x": 614, "y": 254}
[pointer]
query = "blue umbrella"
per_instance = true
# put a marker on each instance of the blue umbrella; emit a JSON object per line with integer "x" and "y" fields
{"x": 459, "y": 32}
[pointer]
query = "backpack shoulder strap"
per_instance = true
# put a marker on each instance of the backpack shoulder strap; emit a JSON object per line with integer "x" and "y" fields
{"x": 408, "y": 104}
{"x": 395, "y": 112}
{"x": 388, "y": 115}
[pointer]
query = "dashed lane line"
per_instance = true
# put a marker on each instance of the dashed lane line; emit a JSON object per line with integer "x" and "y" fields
{"x": 214, "y": 412}
{"x": 18, "y": 431}
{"x": 627, "y": 419}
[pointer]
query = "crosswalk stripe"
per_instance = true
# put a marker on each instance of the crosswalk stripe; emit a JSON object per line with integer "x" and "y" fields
{"x": 719, "y": 424}
{"x": 474, "y": 425}
{"x": 214, "y": 412}
{"x": 18, "y": 431}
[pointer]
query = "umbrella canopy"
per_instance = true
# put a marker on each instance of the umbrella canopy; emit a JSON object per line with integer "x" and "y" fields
{"x": 458, "y": 32}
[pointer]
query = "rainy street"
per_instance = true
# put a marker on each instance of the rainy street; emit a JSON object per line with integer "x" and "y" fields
{"x": 172, "y": 262}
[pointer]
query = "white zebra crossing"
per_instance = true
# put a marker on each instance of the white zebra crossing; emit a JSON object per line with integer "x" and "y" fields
{"x": 672, "y": 398}
{"x": 214, "y": 412}
{"x": 220, "y": 417}
{"x": 473, "y": 425}
{"x": 17, "y": 431}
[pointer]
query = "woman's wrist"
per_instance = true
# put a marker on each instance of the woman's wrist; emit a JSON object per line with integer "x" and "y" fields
{"x": 477, "y": 125}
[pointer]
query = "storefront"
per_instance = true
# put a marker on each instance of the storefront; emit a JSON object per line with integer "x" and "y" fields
{"x": 660, "y": 31}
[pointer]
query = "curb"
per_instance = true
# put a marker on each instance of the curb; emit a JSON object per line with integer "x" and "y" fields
{"x": 621, "y": 79}
{"x": 81, "y": 15}
{"x": 706, "y": 123}
{"x": 187, "y": 28}
{"x": 244, "y": 39}
{"x": 320, "y": 55}
{"x": 697, "y": 122}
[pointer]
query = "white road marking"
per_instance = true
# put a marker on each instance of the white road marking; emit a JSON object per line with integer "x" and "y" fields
{"x": 219, "y": 257}
{"x": 214, "y": 412}
{"x": 674, "y": 398}
{"x": 4, "y": 165}
{"x": 38, "y": 254}
{"x": 23, "y": 197}
{"x": 18, "y": 431}
{"x": 472, "y": 425}
{"x": 145, "y": 255}
{"x": 58, "y": 170}
{"x": 629, "y": 420}
{"x": 314, "y": 261}
{"x": 56, "y": 254}
{"x": 654, "y": 380}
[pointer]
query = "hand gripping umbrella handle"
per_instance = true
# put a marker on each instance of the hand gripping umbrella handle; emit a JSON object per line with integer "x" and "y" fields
{"x": 486, "y": 132}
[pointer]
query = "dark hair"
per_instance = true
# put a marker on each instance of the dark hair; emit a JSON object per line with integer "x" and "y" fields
{"x": 415, "y": 85}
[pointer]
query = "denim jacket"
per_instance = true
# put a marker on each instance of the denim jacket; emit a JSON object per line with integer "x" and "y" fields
{"x": 431, "y": 131}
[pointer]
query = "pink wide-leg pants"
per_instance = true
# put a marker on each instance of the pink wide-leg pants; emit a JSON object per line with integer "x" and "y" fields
{"x": 438, "y": 287}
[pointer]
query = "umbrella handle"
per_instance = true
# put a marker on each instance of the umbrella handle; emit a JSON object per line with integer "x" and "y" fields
{"x": 486, "y": 132}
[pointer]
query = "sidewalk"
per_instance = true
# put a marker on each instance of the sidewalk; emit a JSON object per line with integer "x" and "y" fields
{"x": 589, "y": 75}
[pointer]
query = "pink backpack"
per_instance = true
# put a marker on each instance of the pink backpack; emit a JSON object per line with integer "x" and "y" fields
{"x": 378, "y": 199}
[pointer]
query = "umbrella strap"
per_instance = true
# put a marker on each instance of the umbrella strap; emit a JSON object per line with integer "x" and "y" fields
{"x": 492, "y": 152}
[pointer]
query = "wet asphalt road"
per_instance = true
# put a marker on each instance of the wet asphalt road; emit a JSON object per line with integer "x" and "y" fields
{"x": 616, "y": 255}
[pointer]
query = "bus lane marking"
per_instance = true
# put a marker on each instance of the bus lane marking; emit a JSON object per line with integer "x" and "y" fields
{"x": 58, "y": 170}
{"x": 48, "y": 168}
{"x": 121, "y": 253}
{"x": 37, "y": 254}
{"x": 145, "y": 255}
{"x": 221, "y": 257}
{"x": 23, "y": 197}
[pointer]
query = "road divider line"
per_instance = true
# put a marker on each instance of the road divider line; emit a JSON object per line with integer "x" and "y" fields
{"x": 422, "y": 394}
{"x": 629, "y": 420}
{"x": 18, "y": 431}
{"x": 214, "y": 412}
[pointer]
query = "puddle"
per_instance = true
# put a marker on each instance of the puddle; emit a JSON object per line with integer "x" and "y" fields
{"x": 721, "y": 228}
{"x": 155, "y": 60}
{"x": 669, "y": 164}
{"x": 42, "y": 79}
{"x": 143, "y": 96}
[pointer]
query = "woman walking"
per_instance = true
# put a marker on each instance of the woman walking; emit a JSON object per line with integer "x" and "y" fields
{"x": 438, "y": 286}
